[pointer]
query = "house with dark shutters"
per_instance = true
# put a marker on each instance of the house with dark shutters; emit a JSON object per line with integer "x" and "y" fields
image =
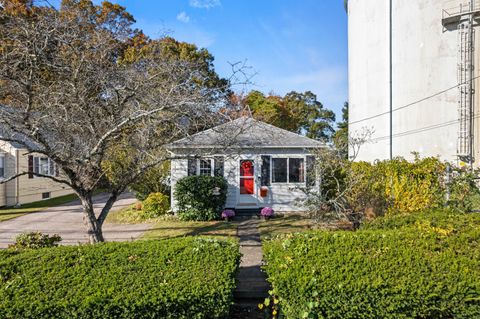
{"x": 14, "y": 159}
{"x": 265, "y": 166}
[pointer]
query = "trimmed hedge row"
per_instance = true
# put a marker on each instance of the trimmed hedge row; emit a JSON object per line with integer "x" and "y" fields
{"x": 177, "y": 278}
{"x": 445, "y": 218}
{"x": 417, "y": 271}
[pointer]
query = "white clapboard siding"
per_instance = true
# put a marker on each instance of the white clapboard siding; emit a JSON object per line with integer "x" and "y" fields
{"x": 283, "y": 197}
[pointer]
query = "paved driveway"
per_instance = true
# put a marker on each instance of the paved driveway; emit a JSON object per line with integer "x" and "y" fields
{"x": 66, "y": 220}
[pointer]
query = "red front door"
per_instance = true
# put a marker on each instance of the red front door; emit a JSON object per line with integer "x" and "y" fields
{"x": 247, "y": 183}
{"x": 247, "y": 179}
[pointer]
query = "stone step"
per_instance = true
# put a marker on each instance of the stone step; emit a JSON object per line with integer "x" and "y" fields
{"x": 250, "y": 296}
{"x": 247, "y": 310}
{"x": 247, "y": 212}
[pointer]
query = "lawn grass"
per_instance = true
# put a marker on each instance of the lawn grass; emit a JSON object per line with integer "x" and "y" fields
{"x": 173, "y": 227}
{"x": 290, "y": 223}
{"x": 170, "y": 226}
{"x": 9, "y": 213}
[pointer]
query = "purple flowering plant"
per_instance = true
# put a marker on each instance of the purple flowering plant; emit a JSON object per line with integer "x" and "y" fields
{"x": 266, "y": 212}
{"x": 228, "y": 213}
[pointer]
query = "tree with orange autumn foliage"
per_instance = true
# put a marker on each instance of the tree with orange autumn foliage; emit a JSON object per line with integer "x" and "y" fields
{"x": 83, "y": 87}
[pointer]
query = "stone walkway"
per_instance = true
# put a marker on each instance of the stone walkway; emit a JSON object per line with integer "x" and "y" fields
{"x": 252, "y": 287}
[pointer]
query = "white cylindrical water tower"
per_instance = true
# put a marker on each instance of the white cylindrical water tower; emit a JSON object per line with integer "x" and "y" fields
{"x": 412, "y": 78}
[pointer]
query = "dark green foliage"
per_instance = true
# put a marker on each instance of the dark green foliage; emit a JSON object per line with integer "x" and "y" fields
{"x": 425, "y": 268}
{"x": 177, "y": 278}
{"x": 297, "y": 112}
{"x": 340, "y": 137}
{"x": 196, "y": 199}
{"x": 34, "y": 240}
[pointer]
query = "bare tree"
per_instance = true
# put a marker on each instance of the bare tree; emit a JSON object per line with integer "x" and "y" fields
{"x": 332, "y": 199}
{"x": 77, "y": 87}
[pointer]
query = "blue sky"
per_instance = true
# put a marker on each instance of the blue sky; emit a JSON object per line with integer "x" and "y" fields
{"x": 291, "y": 44}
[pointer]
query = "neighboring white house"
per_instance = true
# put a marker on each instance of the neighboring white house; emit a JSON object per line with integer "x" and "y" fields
{"x": 265, "y": 166}
{"x": 14, "y": 159}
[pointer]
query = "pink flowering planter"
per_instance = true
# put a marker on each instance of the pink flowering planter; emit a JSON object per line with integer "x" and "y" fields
{"x": 266, "y": 213}
{"x": 228, "y": 214}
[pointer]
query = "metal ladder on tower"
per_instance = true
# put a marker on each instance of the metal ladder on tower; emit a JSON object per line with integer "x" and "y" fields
{"x": 464, "y": 16}
{"x": 465, "y": 71}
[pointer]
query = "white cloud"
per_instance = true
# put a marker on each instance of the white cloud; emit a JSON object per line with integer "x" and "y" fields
{"x": 183, "y": 17}
{"x": 204, "y": 4}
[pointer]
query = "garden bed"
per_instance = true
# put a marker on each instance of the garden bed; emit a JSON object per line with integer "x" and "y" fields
{"x": 175, "y": 278}
{"x": 425, "y": 266}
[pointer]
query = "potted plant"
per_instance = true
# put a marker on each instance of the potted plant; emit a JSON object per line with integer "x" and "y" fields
{"x": 266, "y": 212}
{"x": 228, "y": 214}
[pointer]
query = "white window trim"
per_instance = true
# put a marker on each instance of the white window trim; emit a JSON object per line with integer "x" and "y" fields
{"x": 288, "y": 169}
{"x": 212, "y": 166}
{"x": 49, "y": 163}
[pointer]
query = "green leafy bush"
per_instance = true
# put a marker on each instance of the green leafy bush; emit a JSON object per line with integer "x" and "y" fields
{"x": 352, "y": 189}
{"x": 155, "y": 205}
{"x": 175, "y": 278}
{"x": 35, "y": 240}
{"x": 424, "y": 268}
{"x": 399, "y": 186}
{"x": 196, "y": 198}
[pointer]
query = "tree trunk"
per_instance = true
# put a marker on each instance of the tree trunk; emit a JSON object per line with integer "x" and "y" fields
{"x": 94, "y": 228}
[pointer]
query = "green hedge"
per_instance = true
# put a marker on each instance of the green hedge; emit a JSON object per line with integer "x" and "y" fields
{"x": 196, "y": 199}
{"x": 416, "y": 271}
{"x": 177, "y": 278}
{"x": 442, "y": 218}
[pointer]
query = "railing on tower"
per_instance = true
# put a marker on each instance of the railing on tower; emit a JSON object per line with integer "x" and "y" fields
{"x": 457, "y": 11}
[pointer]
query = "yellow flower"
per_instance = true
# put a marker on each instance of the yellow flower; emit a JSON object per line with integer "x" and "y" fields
{"x": 274, "y": 312}
{"x": 260, "y": 306}
{"x": 275, "y": 301}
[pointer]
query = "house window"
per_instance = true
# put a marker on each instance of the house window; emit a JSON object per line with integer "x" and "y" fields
{"x": 296, "y": 170}
{"x": 279, "y": 170}
{"x": 46, "y": 195}
{"x": 43, "y": 166}
{"x": 205, "y": 167}
{"x": 288, "y": 170}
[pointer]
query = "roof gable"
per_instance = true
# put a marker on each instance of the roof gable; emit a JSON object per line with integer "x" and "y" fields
{"x": 246, "y": 132}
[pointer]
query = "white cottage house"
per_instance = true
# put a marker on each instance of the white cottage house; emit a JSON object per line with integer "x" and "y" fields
{"x": 265, "y": 166}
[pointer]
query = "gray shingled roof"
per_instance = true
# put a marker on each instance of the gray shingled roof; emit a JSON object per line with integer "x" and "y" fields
{"x": 246, "y": 132}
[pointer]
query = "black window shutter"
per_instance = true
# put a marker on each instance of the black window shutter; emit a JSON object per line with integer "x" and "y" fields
{"x": 218, "y": 166}
{"x": 265, "y": 179}
{"x": 51, "y": 169}
{"x": 57, "y": 170}
{"x": 192, "y": 167}
{"x": 30, "y": 166}
{"x": 311, "y": 176}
